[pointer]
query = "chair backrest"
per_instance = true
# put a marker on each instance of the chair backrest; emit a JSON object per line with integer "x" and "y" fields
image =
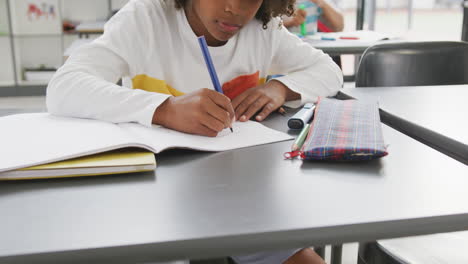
{"x": 413, "y": 64}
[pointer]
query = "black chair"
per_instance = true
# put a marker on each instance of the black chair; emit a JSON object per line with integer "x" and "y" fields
{"x": 413, "y": 64}
{"x": 446, "y": 248}
{"x": 213, "y": 261}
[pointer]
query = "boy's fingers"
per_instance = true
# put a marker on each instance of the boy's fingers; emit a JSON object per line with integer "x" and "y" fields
{"x": 223, "y": 101}
{"x": 267, "y": 109}
{"x": 212, "y": 123}
{"x": 219, "y": 113}
{"x": 205, "y": 131}
{"x": 246, "y": 103}
{"x": 255, "y": 107}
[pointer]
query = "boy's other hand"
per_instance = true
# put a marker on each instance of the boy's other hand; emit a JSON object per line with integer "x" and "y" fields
{"x": 265, "y": 98}
{"x": 204, "y": 112}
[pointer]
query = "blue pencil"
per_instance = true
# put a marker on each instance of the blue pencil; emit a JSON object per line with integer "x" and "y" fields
{"x": 210, "y": 65}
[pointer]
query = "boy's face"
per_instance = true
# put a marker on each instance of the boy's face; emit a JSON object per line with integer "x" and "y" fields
{"x": 222, "y": 19}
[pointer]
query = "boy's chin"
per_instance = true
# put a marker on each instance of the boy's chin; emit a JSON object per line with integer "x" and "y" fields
{"x": 224, "y": 37}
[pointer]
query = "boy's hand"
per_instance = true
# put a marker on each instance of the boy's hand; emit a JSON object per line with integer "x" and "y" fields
{"x": 267, "y": 98}
{"x": 204, "y": 112}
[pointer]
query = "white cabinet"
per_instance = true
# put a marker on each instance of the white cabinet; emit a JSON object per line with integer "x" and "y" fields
{"x": 36, "y": 40}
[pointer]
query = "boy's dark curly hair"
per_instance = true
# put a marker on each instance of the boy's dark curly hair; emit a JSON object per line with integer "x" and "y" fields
{"x": 268, "y": 9}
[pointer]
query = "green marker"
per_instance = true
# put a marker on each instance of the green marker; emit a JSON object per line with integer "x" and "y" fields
{"x": 301, "y": 138}
{"x": 303, "y": 25}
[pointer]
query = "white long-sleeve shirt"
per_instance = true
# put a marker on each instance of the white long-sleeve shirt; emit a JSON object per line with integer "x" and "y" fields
{"x": 151, "y": 45}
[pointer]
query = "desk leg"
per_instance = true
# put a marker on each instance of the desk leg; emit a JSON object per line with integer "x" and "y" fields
{"x": 465, "y": 21}
{"x": 360, "y": 14}
{"x": 336, "y": 254}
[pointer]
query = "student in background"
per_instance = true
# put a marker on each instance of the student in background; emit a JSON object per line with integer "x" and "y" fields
{"x": 331, "y": 19}
{"x": 152, "y": 45}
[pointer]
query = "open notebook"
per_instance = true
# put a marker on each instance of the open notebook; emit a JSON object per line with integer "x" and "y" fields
{"x": 35, "y": 139}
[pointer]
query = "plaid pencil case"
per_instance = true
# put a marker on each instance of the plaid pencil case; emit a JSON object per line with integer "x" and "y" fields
{"x": 345, "y": 130}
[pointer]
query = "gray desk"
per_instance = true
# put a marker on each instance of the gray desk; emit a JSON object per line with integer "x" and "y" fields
{"x": 199, "y": 205}
{"x": 356, "y": 47}
{"x": 335, "y": 48}
{"x": 434, "y": 115}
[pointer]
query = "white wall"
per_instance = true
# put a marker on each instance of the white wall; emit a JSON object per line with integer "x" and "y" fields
{"x": 118, "y": 4}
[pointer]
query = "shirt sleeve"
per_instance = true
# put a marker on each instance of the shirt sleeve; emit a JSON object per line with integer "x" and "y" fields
{"x": 306, "y": 70}
{"x": 85, "y": 86}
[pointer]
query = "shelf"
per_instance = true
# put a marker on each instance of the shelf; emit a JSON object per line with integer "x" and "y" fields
{"x": 73, "y": 33}
{"x": 7, "y": 83}
{"x": 37, "y": 35}
{"x": 32, "y": 83}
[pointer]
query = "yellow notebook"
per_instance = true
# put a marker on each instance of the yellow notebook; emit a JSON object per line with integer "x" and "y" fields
{"x": 113, "y": 162}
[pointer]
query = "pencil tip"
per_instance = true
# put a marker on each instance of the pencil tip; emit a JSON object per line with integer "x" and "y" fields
{"x": 232, "y": 131}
